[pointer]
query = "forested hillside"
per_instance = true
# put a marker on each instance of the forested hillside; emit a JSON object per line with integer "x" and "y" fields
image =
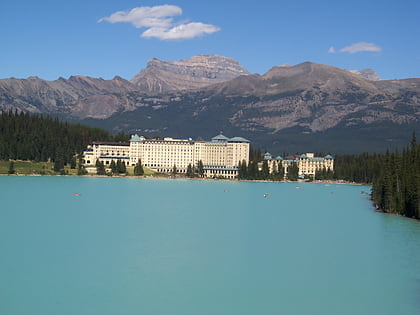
{"x": 37, "y": 138}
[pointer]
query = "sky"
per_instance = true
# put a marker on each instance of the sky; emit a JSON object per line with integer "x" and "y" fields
{"x": 106, "y": 38}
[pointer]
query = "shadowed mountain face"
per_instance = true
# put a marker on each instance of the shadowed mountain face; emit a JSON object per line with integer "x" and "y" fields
{"x": 303, "y": 104}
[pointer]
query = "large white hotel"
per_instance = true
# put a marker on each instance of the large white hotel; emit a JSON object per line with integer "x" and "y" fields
{"x": 220, "y": 156}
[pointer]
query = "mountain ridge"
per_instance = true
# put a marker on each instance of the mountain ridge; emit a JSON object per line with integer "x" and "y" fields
{"x": 193, "y": 73}
{"x": 187, "y": 96}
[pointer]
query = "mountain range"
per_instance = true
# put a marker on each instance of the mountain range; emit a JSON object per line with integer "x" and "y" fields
{"x": 306, "y": 107}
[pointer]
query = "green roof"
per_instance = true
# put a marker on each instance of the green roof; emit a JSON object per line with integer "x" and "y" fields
{"x": 135, "y": 138}
{"x": 238, "y": 139}
{"x": 220, "y": 138}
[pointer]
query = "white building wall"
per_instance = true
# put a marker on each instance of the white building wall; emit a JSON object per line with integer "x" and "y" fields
{"x": 163, "y": 155}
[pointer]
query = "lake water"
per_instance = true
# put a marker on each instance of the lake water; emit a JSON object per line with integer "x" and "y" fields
{"x": 153, "y": 246}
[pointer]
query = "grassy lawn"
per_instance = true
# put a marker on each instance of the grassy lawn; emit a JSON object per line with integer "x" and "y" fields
{"x": 147, "y": 171}
{"x": 46, "y": 168}
{"x": 28, "y": 168}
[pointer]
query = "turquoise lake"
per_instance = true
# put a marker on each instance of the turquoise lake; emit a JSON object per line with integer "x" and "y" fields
{"x": 156, "y": 246}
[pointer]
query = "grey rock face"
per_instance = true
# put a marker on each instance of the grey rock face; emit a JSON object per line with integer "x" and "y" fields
{"x": 196, "y": 72}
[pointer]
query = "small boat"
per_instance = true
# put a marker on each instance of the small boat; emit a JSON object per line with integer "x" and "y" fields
{"x": 76, "y": 195}
{"x": 266, "y": 195}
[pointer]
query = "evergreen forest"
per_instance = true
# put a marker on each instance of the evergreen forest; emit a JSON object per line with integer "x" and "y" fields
{"x": 396, "y": 188}
{"x": 37, "y": 138}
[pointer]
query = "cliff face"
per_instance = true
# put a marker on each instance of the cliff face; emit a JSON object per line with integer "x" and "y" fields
{"x": 194, "y": 73}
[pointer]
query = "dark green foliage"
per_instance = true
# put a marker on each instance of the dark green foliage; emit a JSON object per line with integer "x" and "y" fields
{"x": 80, "y": 167}
{"x": 255, "y": 154}
{"x": 58, "y": 165}
{"x": 121, "y": 137}
{"x": 293, "y": 172}
{"x": 138, "y": 169}
{"x": 396, "y": 188}
{"x": 121, "y": 169}
{"x": 174, "y": 170}
{"x": 190, "y": 171}
{"x": 242, "y": 170}
{"x": 278, "y": 172}
{"x": 11, "y": 168}
{"x": 362, "y": 168}
{"x": 37, "y": 138}
{"x": 324, "y": 174}
{"x": 253, "y": 172}
{"x": 200, "y": 169}
{"x": 265, "y": 170}
{"x": 113, "y": 167}
{"x": 81, "y": 170}
{"x": 73, "y": 162}
{"x": 100, "y": 168}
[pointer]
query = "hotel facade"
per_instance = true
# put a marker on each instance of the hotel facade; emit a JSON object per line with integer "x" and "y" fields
{"x": 220, "y": 156}
{"x": 308, "y": 164}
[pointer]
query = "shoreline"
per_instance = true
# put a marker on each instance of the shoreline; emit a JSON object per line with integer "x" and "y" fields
{"x": 332, "y": 182}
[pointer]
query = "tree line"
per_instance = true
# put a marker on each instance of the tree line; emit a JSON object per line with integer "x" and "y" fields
{"x": 396, "y": 188}
{"x": 39, "y": 138}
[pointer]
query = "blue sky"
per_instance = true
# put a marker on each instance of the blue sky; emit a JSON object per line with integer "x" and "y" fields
{"x": 104, "y": 38}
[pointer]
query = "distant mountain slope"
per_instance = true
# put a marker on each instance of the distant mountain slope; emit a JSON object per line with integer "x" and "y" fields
{"x": 367, "y": 74}
{"x": 194, "y": 73}
{"x": 319, "y": 97}
{"x": 307, "y": 103}
{"x": 205, "y": 94}
{"x": 62, "y": 96}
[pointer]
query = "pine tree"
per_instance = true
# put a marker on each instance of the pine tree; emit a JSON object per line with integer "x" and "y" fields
{"x": 138, "y": 169}
{"x": 120, "y": 168}
{"x": 100, "y": 168}
{"x": 11, "y": 168}
{"x": 200, "y": 168}
{"x": 73, "y": 162}
{"x": 253, "y": 172}
{"x": 293, "y": 172}
{"x": 58, "y": 165}
{"x": 242, "y": 170}
{"x": 113, "y": 167}
{"x": 190, "y": 171}
{"x": 265, "y": 170}
{"x": 81, "y": 170}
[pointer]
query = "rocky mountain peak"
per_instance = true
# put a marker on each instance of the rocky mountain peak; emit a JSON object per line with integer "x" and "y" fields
{"x": 195, "y": 72}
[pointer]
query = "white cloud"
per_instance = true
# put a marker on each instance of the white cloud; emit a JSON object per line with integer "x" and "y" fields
{"x": 362, "y": 46}
{"x": 157, "y": 16}
{"x": 331, "y": 50}
{"x": 183, "y": 31}
{"x": 159, "y": 23}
